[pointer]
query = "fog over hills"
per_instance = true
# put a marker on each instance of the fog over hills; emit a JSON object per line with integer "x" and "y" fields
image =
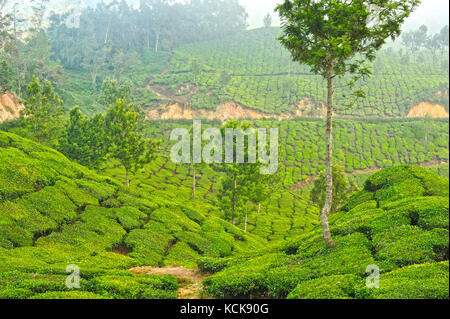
{"x": 427, "y": 13}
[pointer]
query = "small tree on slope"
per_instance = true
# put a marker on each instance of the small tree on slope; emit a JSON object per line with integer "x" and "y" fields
{"x": 43, "y": 111}
{"x": 126, "y": 138}
{"x": 329, "y": 36}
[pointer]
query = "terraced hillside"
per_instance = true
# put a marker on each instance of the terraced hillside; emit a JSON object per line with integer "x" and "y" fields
{"x": 398, "y": 222}
{"x": 359, "y": 146}
{"x": 253, "y": 70}
{"x": 76, "y": 88}
{"x": 288, "y": 212}
{"x": 54, "y": 213}
{"x": 283, "y": 215}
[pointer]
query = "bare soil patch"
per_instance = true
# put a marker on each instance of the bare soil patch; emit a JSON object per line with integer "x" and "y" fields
{"x": 428, "y": 109}
{"x": 10, "y": 107}
{"x": 190, "y": 280}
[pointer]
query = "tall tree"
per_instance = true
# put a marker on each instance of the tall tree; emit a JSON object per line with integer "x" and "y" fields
{"x": 341, "y": 189}
{"x": 6, "y": 76}
{"x": 267, "y": 21}
{"x": 112, "y": 90}
{"x": 95, "y": 62}
{"x": 420, "y": 36}
{"x": 330, "y": 36}
{"x": 238, "y": 181}
{"x": 127, "y": 143}
{"x": 43, "y": 111}
{"x": 5, "y": 25}
{"x": 84, "y": 139}
{"x": 259, "y": 187}
{"x": 444, "y": 39}
{"x": 121, "y": 61}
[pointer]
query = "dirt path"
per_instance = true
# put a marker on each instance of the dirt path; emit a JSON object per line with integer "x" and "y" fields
{"x": 190, "y": 281}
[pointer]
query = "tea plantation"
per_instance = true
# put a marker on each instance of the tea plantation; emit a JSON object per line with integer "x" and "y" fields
{"x": 252, "y": 68}
{"x": 54, "y": 213}
{"x": 398, "y": 222}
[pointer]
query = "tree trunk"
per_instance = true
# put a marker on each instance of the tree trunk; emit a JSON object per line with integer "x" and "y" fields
{"x": 128, "y": 180}
{"x": 259, "y": 207}
{"x": 329, "y": 154}
{"x": 193, "y": 183}
{"x": 234, "y": 200}
{"x": 157, "y": 42}
{"x": 245, "y": 223}
{"x": 107, "y": 32}
{"x": 94, "y": 80}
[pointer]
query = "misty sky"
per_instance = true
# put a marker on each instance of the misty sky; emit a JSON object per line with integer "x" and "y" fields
{"x": 433, "y": 13}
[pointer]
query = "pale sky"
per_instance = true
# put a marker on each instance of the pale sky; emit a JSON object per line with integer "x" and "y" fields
{"x": 433, "y": 13}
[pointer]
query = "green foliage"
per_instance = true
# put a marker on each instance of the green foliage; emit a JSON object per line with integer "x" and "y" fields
{"x": 271, "y": 82}
{"x": 149, "y": 245}
{"x": 65, "y": 213}
{"x": 127, "y": 143}
{"x": 327, "y": 287}
{"x": 135, "y": 286}
{"x": 427, "y": 212}
{"x": 367, "y": 234}
{"x": 340, "y": 189}
{"x": 51, "y": 202}
{"x": 74, "y": 294}
{"x": 84, "y": 139}
{"x": 181, "y": 254}
{"x": 6, "y": 76}
{"x": 43, "y": 110}
{"x": 406, "y": 245}
{"x": 423, "y": 281}
{"x": 212, "y": 265}
{"x": 112, "y": 91}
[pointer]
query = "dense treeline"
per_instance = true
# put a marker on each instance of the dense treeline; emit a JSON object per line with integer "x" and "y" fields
{"x": 109, "y": 30}
{"x": 107, "y": 38}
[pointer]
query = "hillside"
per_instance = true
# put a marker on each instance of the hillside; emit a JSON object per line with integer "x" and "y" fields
{"x": 55, "y": 213}
{"x": 250, "y": 75}
{"x": 161, "y": 149}
{"x": 252, "y": 69}
{"x": 398, "y": 222}
{"x": 360, "y": 146}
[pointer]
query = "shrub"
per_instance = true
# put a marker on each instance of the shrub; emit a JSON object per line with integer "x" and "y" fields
{"x": 73, "y": 294}
{"x": 424, "y": 281}
{"x": 181, "y": 254}
{"x": 129, "y": 217}
{"x": 328, "y": 287}
{"x": 135, "y": 286}
{"x": 101, "y": 191}
{"x": 78, "y": 197}
{"x": 406, "y": 245}
{"x": 426, "y": 212}
{"x": 52, "y": 203}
